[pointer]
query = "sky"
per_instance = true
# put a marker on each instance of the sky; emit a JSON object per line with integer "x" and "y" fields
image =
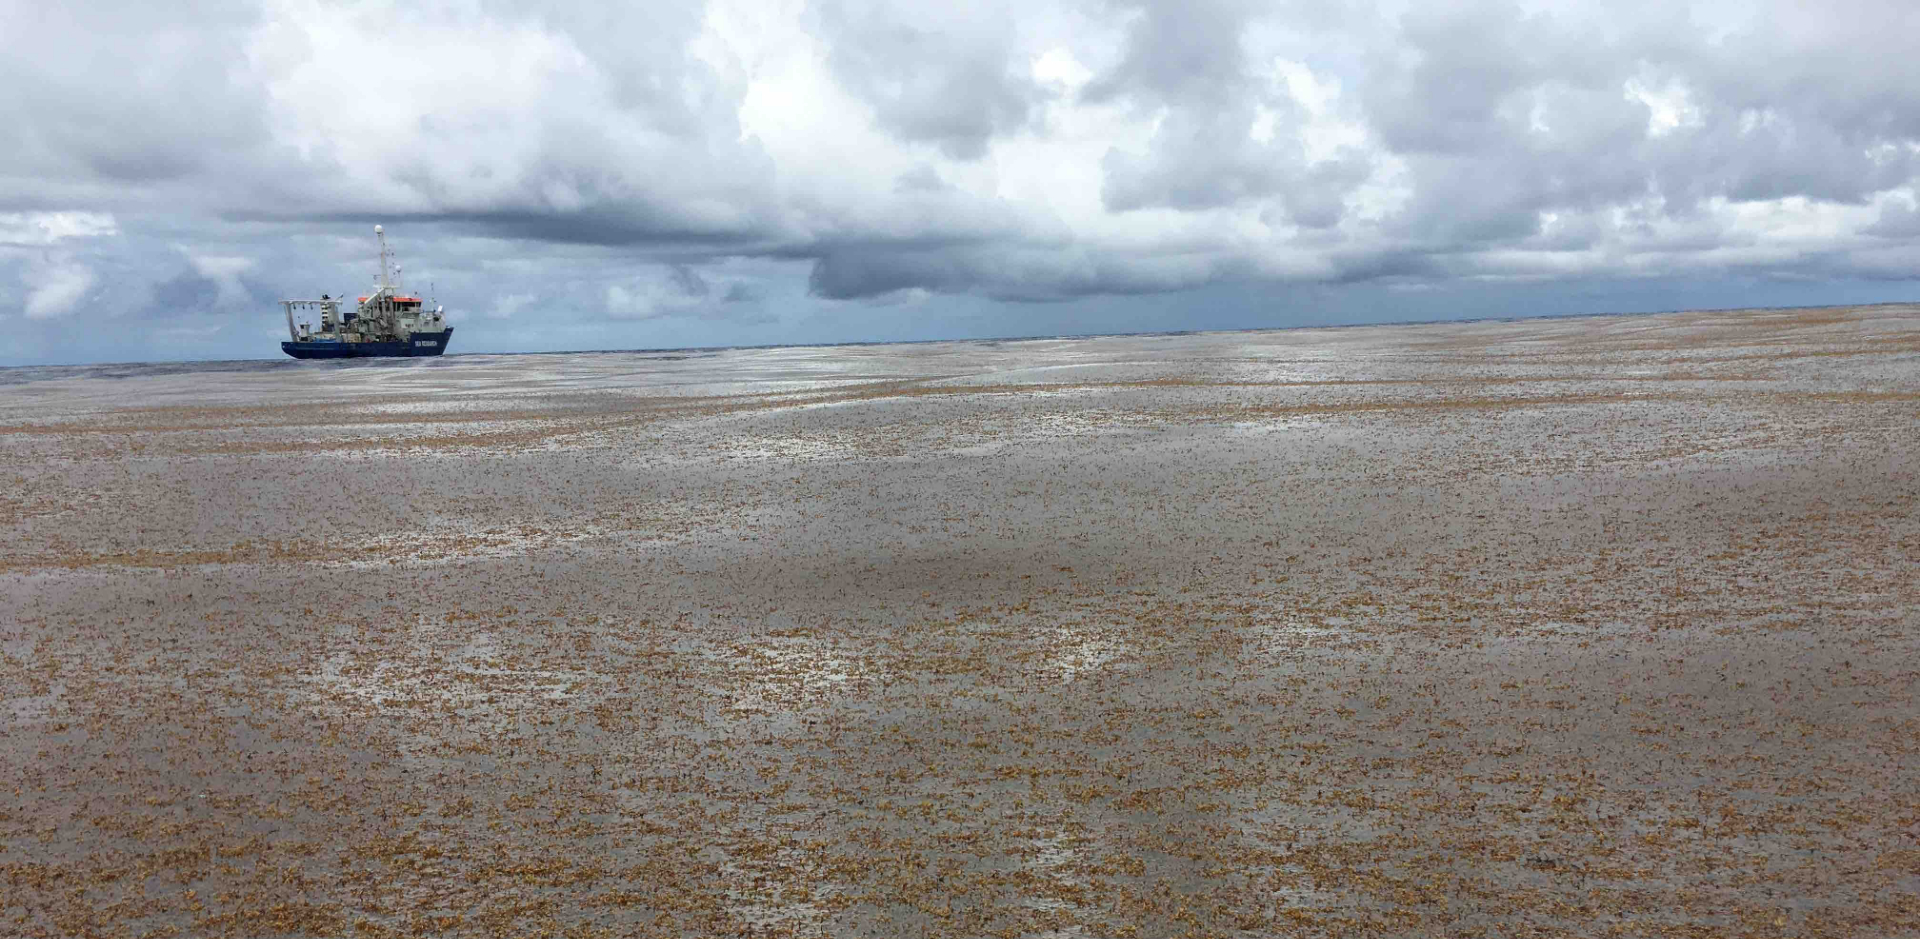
{"x": 578, "y": 174}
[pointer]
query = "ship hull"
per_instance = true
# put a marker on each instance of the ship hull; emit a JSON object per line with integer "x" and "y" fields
{"x": 418, "y": 344}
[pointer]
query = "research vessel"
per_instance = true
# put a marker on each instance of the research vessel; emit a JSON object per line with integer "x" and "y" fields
{"x": 385, "y": 322}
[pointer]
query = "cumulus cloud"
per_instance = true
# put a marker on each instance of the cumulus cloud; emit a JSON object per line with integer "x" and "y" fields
{"x": 55, "y": 288}
{"x": 618, "y": 163}
{"x": 225, "y": 274}
{"x": 674, "y": 290}
{"x": 948, "y": 75}
{"x": 506, "y": 306}
{"x": 41, "y": 229}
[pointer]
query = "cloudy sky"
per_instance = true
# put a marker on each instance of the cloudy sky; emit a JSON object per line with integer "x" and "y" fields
{"x": 578, "y": 174}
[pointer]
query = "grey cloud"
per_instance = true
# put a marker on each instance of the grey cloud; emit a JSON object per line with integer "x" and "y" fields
{"x": 954, "y": 85}
{"x": 848, "y": 275}
{"x": 1444, "y": 90}
{"x": 1774, "y": 158}
{"x": 101, "y": 100}
{"x": 1487, "y": 141}
{"x": 1010, "y": 273}
{"x": 1178, "y": 52}
{"x": 1504, "y": 116}
{"x": 1188, "y": 61}
{"x": 688, "y": 281}
{"x": 643, "y": 49}
{"x": 1386, "y": 266}
{"x": 1196, "y": 161}
{"x": 1896, "y": 221}
{"x": 185, "y": 292}
{"x": 1202, "y": 159}
{"x": 1316, "y": 197}
{"x": 921, "y": 179}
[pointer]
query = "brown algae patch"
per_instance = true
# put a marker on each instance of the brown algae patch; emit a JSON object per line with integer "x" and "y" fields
{"x": 1576, "y": 627}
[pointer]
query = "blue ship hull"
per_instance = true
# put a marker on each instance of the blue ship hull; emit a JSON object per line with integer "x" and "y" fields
{"x": 419, "y": 344}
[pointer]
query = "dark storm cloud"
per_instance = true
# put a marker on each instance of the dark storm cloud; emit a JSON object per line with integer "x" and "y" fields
{"x": 847, "y": 275}
{"x": 1008, "y": 273}
{"x": 1388, "y": 266}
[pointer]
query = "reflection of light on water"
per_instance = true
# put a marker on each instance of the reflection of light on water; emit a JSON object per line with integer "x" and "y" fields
{"x": 440, "y": 670}
{"x": 37, "y": 707}
{"x": 1293, "y": 624}
{"x": 778, "y": 677}
{"x": 772, "y": 881}
{"x": 445, "y": 547}
{"x": 761, "y": 890}
{"x": 1284, "y": 632}
{"x": 1076, "y": 652}
{"x": 1054, "y": 860}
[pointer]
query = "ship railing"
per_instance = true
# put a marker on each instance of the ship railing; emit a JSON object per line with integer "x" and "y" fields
{"x": 329, "y": 313}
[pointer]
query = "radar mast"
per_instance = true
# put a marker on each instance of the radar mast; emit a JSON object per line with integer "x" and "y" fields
{"x": 384, "y": 286}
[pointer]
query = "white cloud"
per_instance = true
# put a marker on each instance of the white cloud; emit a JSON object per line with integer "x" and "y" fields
{"x": 1670, "y": 106}
{"x": 37, "y": 229}
{"x": 869, "y": 150}
{"x": 509, "y": 304}
{"x": 643, "y": 300}
{"x": 54, "y": 288}
{"x": 225, "y": 273}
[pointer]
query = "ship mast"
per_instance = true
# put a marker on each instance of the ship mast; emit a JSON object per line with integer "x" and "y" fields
{"x": 384, "y": 286}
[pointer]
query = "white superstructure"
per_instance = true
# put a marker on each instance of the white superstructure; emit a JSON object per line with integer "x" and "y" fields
{"x": 383, "y": 315}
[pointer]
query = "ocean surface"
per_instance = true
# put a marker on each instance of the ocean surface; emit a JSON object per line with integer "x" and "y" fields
{"x": 1509, "y": 628}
